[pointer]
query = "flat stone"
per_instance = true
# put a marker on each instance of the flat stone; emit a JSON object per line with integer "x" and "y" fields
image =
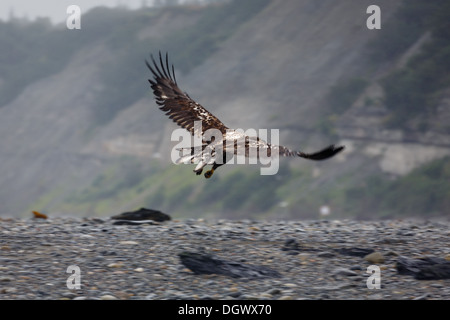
{"x": 128, "y": 242}
{"x": 375, "y": 257}
{"x": 326, "y": 254}
{"x": 355, "y": 252}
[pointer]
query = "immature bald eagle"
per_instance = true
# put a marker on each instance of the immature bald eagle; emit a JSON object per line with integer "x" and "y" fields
{"x": 184, "y": 111}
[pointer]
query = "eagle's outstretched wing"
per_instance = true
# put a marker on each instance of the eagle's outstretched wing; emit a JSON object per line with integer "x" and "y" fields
{"x": 177, "y": 104}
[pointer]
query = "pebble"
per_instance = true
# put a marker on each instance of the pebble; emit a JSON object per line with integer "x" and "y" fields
{"x": 326, "y": 254}
{"x": 286, "y": 298}
{"x": 141, "y": 262}
{"x": 422, "y": 297}
{"x": 355, "y": 267}
{"x": 151, "y": 296}
{"x": 6, "y": 279}
{"x": 344, "y": 272}
{"x": 274, "y": 291}
{"x": 69, "y": 295}
{"x": 392, "y": 253}
{"x": 108, "y": 297}
{"x": 236, "y": 294}
{"x": 290, "y": 285}
{"x": 375, "y": 257}
{"x": 114, "y": 265}
{"x": 128, "y": 242}
{"x": 9, "y": 290}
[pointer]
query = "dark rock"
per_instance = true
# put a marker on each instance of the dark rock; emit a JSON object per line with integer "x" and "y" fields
{"x": 292, "y": 246}
{"x": 391, "y": 240}
{"x": 108, "y": 253}
{"x": 408, "y": 266}
{"x": 405, "y": 233}
{"x": 355, "y": 252}
{"x": 344, "y": 272}
{"x": 236, "y": 294}
{"x": 274, "y": 291}
{"x": 203, "y": 263}
{"x": 435, "y": 272}
{"x": 143, "y": 214}
{"x": 429, "y": 268}
{"x": 355, "y": 267}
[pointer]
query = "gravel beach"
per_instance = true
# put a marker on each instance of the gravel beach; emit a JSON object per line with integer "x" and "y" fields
{"x": 314, "y": 259}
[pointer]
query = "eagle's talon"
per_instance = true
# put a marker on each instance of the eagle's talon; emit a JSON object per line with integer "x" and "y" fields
{"x": 208, "y": 174}
{"x": 198, "y": 172}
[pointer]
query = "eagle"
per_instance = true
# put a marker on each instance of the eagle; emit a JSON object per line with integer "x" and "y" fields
{"x": 188, "y": 114}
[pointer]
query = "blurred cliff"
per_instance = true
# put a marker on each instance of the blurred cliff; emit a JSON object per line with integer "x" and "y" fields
{"x": 82, "y": 135}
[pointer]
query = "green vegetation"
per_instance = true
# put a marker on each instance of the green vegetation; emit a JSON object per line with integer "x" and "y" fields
{"x": 242, "y": 191}
{"x": 176, "y": 189}
{"x": 424, "y": 192}
{"x": 246, "y": 189}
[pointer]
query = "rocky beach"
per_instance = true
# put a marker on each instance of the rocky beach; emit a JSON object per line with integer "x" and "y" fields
{"x": 224, "y": 259}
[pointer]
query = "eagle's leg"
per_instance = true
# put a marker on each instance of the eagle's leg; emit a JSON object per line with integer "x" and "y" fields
{"x": 199, "y": 168}
{"x": 209, "y": 173}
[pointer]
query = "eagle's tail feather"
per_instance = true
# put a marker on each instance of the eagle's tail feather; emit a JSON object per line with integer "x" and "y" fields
{"x": 322, "y": 154}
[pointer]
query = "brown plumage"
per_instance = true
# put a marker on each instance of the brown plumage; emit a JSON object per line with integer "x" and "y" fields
{"x": 184, "y": 111}
{"x": 176, "y": 103}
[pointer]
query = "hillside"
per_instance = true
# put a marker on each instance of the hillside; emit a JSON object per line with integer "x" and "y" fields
{"x": 83, "y": 136}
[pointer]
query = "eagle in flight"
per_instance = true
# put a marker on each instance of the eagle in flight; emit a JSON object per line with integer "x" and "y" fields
{"x": 187, "y": 113}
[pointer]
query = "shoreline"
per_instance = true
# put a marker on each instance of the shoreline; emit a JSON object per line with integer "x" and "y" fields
{"x": 142, "y": 261}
